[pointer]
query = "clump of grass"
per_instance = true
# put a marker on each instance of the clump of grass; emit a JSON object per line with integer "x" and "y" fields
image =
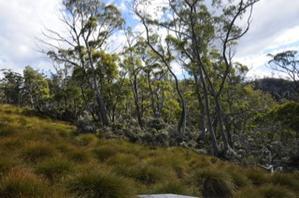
{"x": 239, "y": 179}
{"x": 96, "y": 184}
{"x": 6, "y": 164}
{"x": 103, "y": 153}
{"x": 36, "y": 151}
{"x": 11, "y": 144}
{"x": 21, "y": 183}
{"x": 172, "y": 188}
{"x": 54, "y": 168}
{"x": 122, "y": 159}
{"x": 87, "y": 139}
{"x": 286, "y": 180}
{"x": 148, "y": 174}
{"x": 270, "y": 191}
{"x": 79, "y": 156}
{"x": 6, "y": 131}
{"x": 257, "y": 177}
{"x": 214, "y": 183}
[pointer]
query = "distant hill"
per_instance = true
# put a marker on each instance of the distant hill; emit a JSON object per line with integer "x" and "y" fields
{"x": 279, "y": 88}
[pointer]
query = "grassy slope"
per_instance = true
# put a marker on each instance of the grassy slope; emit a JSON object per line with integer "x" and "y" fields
{"x": 44, "y": 158}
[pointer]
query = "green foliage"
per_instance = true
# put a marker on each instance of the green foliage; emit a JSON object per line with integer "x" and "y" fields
{"x": 287, "y": 114}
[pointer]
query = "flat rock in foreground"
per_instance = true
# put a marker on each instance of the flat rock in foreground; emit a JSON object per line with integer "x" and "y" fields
{"x": 164, "y": 196}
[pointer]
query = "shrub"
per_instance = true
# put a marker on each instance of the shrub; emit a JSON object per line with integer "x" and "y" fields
{"x": 36, "y": 151}
{"x": 214, "y": 183}
{"x": 95, "y": 184}
{"x": 54, "y": 168}
{"x": 21, "y": 183}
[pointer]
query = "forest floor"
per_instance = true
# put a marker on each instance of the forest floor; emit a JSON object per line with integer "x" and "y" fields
{"x": 41, "y": 157}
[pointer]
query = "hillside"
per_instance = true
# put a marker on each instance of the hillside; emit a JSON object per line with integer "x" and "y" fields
{"x": 280, "y": 89}
{"x": 45, "y": 158}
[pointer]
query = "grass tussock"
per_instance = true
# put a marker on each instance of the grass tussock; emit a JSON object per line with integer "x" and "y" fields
{"x": 214, "y": 183}
{"x": 35, "y": 151}
{"x": 96, "y": 184}
{"x": 54, "y": 168}
{"x": 19, "y": 183}
{"x": 39, "y": 156}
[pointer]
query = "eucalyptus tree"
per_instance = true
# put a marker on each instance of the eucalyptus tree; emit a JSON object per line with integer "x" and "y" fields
{"x": 35, "y": 89}
{"x": 287, "y": 62}
{"x": 90, "y": 24}
{"x": 202, "y": 36}
{"x": 161, "y": 47}
{"x": 11, "y": 85}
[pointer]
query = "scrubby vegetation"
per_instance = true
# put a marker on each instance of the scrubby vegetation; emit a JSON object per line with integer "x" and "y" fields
{"x": 86, "y": 165}
{"x": 116, "y": 123}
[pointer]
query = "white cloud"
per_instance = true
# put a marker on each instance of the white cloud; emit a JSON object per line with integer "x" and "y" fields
{"x": 21, "y": 22}
{"x": 274, "y": 28}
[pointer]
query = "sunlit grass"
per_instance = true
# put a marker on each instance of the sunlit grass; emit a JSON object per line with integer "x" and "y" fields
{"x": 40, "y": 155}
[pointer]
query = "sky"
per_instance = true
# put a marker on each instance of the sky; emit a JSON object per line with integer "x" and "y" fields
{"x": 274, "y": 28}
